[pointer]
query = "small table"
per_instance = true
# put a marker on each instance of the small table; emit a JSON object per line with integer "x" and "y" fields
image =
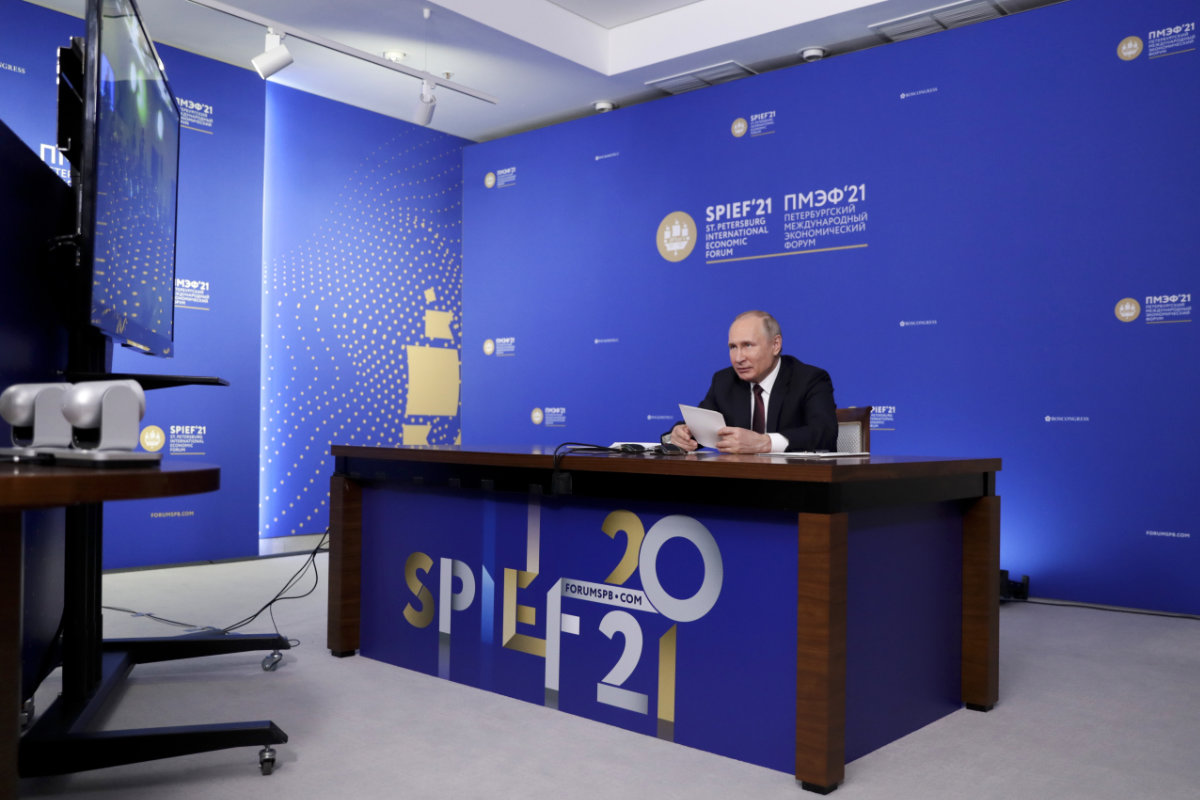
{"x": 91, "y": 666}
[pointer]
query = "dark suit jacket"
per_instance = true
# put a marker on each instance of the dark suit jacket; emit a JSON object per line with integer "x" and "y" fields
{"x": 801, "y": 405}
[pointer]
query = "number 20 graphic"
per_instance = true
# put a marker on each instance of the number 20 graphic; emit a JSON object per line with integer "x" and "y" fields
{"x": 642, "y": 550}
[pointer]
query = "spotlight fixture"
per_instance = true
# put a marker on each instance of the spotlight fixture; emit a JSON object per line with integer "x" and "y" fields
{"x": 425, "y": 103}
{"x": 274, "y": 58}
{"x": 812, "y": 53}
{"x": 387, "y": 61}
{"x": 603, "y": 106}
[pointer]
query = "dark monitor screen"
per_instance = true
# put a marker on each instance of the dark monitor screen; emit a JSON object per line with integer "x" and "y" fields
{"x": 133, "y": 186}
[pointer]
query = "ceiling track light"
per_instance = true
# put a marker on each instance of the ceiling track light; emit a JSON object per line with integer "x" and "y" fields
{"x": 321, "y": 41}
{"x": 274, "y": 58}
{"x": 425, "y": 103}
{"x": 812, "y": 53}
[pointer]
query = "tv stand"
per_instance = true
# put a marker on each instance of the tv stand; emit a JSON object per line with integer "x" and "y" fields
{"x": 62, "y": 739}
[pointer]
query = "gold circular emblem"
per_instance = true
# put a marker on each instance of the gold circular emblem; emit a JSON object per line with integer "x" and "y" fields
{"x": 489, "y": 180}
{"x": 1128, "y": 310}
{"x": 739, "y": 127}
{"x": 152, "y": 438}
{"x": 1129, "y": 48}
{"x": 676, "y": 236}
{"x": 537, "y": 416}
{"x": 489, "y": 347}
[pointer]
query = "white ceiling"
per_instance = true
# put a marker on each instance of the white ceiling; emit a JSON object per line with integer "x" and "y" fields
{"x": 544, "y": 61}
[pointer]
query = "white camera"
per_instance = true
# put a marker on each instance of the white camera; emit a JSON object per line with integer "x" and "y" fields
{"x": 35, "y": 412}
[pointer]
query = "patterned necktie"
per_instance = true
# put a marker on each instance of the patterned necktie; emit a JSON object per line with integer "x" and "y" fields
{"x": 760, "y": 413}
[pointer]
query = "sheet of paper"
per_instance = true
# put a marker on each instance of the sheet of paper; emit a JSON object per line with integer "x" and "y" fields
{"x": 703, "y": 423}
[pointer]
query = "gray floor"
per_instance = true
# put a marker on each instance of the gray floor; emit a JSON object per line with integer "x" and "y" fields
{"x": 1094, "y": 705}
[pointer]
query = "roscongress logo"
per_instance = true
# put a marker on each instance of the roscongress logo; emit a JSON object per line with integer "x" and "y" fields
{"x": 1130, "y": 48}
{"x": 676, "y": 236}
{"x": 550, "y": 416}
{"x": 1128, "y": 309}
{"x": 500, "y": 178}
{"x": 500, "y": 346}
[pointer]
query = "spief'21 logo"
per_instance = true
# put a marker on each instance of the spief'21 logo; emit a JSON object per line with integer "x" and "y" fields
{"x": 676, "y": 236}
{"x": 583, "y": 608}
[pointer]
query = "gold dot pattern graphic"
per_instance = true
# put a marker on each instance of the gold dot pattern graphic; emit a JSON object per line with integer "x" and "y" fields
{"x": 343, "y": 311}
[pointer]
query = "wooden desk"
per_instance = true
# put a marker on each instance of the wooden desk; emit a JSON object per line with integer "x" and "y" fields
{"x": 26, "y": 487}
{"x": 825, "y": 495}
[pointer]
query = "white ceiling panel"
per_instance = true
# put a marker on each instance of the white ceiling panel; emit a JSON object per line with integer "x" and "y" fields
{"x": 544, "y": 61}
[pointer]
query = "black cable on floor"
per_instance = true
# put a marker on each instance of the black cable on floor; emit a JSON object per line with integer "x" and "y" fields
{"x": 281, "y": 595}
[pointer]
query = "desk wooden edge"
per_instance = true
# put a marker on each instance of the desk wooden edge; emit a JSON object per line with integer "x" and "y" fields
{"x": 345, "y": 565}
{"x": 981, "y": 604}
{"x": 821, "y": 650}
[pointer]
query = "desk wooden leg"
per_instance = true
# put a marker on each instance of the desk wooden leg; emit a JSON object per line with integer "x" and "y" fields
{"x": 981, "y": 604}
{"x": 345, "y": 565}
{"x": 821, "y": 652}
{"x": 11, "y": 561}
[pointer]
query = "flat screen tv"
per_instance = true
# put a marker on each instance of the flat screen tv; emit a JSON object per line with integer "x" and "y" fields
{"x": 123, "y": 140}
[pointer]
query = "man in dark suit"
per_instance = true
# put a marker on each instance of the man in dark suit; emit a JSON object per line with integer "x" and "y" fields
{"x": 796, "y": 410}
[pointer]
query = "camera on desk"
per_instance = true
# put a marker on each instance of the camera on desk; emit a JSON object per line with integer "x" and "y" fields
{"x": 34, "y": 410}
{"x": 94, "y": 422}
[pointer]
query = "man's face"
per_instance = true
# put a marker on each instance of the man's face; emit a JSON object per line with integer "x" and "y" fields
{"x": 751, "y": 353}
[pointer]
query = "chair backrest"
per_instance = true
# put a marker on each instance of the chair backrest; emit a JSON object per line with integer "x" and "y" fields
{"x": 854, "y": 429}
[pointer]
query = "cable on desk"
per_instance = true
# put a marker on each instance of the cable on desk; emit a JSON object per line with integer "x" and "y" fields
{"x": 560, "y": 482}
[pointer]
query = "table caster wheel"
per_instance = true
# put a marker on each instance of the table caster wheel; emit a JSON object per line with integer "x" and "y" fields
{"x": 272, "y": 661}
{"x": 266, "y": 760}
{"x": 27, "y": 714}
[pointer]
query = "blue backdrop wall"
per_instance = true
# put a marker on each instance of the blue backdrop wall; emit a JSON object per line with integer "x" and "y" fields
{"x": 323, "y": 281}
{"x": 217, "y": 285}
{"x": 988, "y": 235}
{"x": 361, "y": 295}
{"x": 218, "y": 281}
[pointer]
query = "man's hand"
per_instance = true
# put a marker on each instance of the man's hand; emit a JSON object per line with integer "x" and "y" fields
{"x": 681, "y": 436}
{"x": 741, "y": 440}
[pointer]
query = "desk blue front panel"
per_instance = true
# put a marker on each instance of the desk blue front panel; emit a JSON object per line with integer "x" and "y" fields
{"x": 442, "y": 570}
